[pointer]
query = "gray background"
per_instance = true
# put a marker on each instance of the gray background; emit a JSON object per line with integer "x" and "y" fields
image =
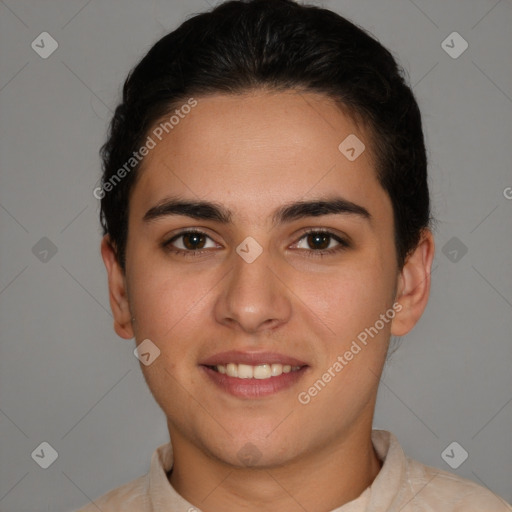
{"x": 67, "y": 379}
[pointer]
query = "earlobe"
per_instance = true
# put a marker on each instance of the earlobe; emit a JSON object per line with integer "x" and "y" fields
{"x": 117, "y": 290}
{"x": 414, "y": 285}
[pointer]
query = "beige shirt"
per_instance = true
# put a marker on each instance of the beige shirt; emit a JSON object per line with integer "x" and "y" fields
{"x": 402, "y": 485}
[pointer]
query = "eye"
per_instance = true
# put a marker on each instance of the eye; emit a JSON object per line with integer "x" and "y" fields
{"x": 322, "y": 242}
{"x": 192, "y": 242}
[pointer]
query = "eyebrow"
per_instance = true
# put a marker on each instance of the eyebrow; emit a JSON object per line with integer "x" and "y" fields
{"x": 206, "y": 210}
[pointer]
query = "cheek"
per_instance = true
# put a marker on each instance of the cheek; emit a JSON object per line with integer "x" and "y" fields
{"x": 172, "y": 306}
{"x": 157, "y": 304}
{"x": 349, "y": 298}
{"x": 161, "y": 299}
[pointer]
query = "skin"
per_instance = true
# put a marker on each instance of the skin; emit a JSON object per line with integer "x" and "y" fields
{"x": 252, "y": 153}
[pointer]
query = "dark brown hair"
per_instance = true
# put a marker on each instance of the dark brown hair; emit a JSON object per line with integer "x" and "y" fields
{"x": 278, "y": 45}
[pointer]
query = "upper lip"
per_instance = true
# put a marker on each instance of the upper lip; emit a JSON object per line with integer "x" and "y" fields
{"x": 251, "y": 358}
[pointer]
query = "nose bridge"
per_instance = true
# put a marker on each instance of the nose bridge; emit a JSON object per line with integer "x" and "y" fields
{"x": 252, "y": 296}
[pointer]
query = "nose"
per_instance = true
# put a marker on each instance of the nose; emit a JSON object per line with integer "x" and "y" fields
{"x": 253, "y": 297}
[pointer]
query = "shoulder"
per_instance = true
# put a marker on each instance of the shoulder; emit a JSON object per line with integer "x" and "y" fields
{"x": 131, "y": 496}
{"x": 443, "y": 491}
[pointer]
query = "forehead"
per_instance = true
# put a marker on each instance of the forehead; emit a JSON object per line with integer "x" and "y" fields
{"x": 259, "y": 148}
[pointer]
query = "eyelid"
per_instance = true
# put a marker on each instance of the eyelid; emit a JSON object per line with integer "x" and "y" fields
{"x": 343, "y": 242}
{"x": 340, "y": 238}
{"x": 166, "y": 244}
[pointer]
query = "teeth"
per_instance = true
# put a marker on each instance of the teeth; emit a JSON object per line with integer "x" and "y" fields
{"x": 232, "y": 370}
{"x": 260, "y": 371}
{"x": 244, "y": 372}
{"x": 263, "y": 371}
{"x": 276, "y": 369}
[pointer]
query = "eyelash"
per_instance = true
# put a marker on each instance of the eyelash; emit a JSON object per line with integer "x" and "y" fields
{"x": 310, "y": 253}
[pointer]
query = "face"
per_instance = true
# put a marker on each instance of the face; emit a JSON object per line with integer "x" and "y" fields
{"x": 255, "y": 276}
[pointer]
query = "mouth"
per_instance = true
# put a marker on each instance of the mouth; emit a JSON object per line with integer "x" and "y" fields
{"x": 253, "y": 375}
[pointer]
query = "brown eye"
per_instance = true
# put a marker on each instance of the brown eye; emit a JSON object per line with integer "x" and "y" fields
{"x": 318, "y": 240}
{"x": 191, "y": 242}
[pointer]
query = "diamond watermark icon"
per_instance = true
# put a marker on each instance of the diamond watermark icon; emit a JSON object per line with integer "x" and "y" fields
{"x": 146, "y": 352}
{"x": 454, "y": 45}
{"x": 351, "y": 147}
{"x": 249, "y": 454}
{"x": 454, "y": 455}
{"x": 45, "y": 455}
{"x": 44, "y": 249}
{"x": 454, "y": 249}
{"x": 44, "y": 45}
{"x": 249, "y": 249}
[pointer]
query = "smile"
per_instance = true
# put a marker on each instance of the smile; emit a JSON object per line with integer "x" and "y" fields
{"x": 260, "y": 371}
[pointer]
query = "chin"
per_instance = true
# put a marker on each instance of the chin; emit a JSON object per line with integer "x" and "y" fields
{"x": 254, "y": 451}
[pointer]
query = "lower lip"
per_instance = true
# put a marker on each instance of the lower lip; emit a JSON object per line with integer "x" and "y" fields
{"x": 254, "y": 388}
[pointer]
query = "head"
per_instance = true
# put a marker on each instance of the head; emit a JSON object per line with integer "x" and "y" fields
{"x": 243, "y": 113}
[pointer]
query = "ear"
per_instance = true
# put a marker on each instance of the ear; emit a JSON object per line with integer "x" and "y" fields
{"x": 414, "y": 285}
{"x": 117, "y": 290}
